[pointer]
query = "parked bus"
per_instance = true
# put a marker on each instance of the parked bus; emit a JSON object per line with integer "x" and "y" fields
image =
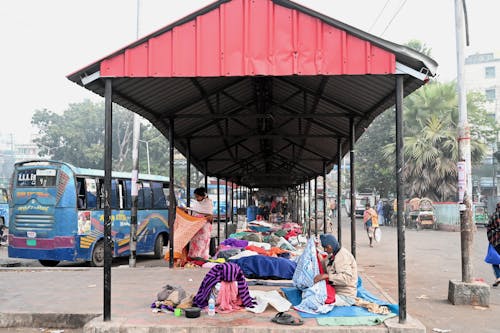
{"x": 57, "y": 213}
{"x": 212, "y": 195}
{"x": 4, "y": 212}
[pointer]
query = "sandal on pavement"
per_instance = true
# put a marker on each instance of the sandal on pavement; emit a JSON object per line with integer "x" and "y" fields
{"x": 286, "y": 319}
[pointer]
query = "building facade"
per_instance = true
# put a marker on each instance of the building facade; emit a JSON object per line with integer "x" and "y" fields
{"x": 482, "y": 74}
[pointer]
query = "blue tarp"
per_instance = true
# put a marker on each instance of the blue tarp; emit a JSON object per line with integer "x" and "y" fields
{"x": 294, "y": 295}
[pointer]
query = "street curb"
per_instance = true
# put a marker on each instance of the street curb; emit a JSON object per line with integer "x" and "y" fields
{"x": 121, "y": 325}
{"x": 52, "y": 320}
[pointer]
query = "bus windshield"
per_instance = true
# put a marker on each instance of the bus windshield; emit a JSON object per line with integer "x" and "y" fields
{"x": 3, "y": 196}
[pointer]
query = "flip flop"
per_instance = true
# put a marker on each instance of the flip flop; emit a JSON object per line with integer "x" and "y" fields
{"x": 286, "y": 319}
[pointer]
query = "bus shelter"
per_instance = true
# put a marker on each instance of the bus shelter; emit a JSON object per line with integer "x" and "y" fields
{"x": 261, "y": 93}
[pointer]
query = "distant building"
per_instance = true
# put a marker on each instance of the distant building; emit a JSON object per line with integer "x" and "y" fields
{"x": 482, "y": 74}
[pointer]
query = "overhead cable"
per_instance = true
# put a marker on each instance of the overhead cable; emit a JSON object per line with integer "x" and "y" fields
{"x": 378, "y": 16}
{"x": 393, "y": 17}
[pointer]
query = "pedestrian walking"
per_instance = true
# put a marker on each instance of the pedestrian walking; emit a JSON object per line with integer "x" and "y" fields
{"x": 370, "y": 219}
{"x": 333, "y": 207}
{"x": 493, "y": 233}
{"x": 380, "y": 212}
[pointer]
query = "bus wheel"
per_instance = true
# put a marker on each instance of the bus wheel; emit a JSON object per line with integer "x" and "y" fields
{"x": 158, "y": 247}
{"x": 98, "y": 255}
{"x": 49, "y": 263}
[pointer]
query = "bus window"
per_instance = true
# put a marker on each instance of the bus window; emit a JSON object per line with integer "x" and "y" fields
{"x": 159, "y": 201}
{"x": 91, "y": 193}
{"x": 146, "y": 190}
{"x": 166, "y": 192}
{"x": 37, "y": 177}
{"x": 128, "y": 194}
{"x": 115, "y": 203}
{"x": 140, "y": 196}
{"x": 121, "y": 195}
{"x": 114, "y": 194}
{"x": 80, "y": 193}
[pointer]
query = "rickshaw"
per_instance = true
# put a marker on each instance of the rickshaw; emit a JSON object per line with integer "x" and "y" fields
{"x": 480, "y": 213}
{"x": 420, "y": 214}
{"x": 426, "y": 217}
{"x": 412, "y": 212}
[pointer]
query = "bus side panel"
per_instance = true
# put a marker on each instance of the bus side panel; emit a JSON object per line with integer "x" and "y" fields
{"x": 91, "y": 230}
{"x": 151, "y": 224}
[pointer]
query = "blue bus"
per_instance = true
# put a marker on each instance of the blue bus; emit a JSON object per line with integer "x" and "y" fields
{"x": 212, "y": 195}
{"x": 57, "y": 213}
{"x": 4, "y": 211}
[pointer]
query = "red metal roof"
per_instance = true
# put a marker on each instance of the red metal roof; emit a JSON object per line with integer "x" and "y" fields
{"x": 246, "y": 37}
{"x": 262, "y": 91}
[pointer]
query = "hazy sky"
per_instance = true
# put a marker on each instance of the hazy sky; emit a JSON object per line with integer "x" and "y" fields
{"x": 43, "y": 41}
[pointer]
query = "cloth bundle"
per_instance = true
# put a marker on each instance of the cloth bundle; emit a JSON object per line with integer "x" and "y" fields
{"x": 185, "y": 227}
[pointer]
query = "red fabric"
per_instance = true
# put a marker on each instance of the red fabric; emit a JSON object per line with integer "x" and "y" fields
{"x": 292, "y": 233}
{"x": 330, "y": 290}
{"x": 228, "y": 299}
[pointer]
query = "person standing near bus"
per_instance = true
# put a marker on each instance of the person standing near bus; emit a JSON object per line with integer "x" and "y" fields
{"x": 202, "y": 206}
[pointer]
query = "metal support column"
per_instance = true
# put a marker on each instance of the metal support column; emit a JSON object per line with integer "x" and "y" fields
{"x": 309, "y": 208}
{"x": 399, "y": 194}
{"x": 108, "y": 155}
{"x": 232, "y": 203}
{"x": 316, "y": 206}
{"x": 339, "y": 191}
{"x": 218, "y": 211}
{"x": 227, "y": 208}
{"x": 304, "y": 212}
{"x": 324, "y": 197}
{"x": 206, "y": 175}
{"x": 171, "y": 208}
{"x": 188, "y": 173}
{"x": 352, "y": 139}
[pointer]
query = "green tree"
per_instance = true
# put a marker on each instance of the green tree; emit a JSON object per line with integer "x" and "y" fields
{"x": 431, "y": 147}
{"x": 419, "y": 46}
{"x": 77, "y": 136}
{"x": 371, "y": 168}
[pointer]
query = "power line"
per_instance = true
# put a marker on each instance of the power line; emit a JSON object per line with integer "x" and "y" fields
{"x": 393, "y": 17}
{"x": 378, "y": 16}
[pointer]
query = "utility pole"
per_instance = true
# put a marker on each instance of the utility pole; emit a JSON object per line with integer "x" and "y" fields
{"x": 135, "y": 174}
{"x": 464, "y": 157}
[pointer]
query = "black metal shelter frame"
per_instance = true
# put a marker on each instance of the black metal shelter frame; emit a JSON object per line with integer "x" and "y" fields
{"x": 265, "y": 131}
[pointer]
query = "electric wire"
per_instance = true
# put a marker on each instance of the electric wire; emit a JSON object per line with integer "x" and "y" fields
{"x": 378, "y": 16}
{"x": 393, "y": 17}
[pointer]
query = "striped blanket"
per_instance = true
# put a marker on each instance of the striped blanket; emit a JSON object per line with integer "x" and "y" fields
{"x": 223, "y": 272}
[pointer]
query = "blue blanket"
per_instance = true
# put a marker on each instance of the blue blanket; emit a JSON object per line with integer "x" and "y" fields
{"x": 263, "y": 267}
{"x": 294, "y": 295}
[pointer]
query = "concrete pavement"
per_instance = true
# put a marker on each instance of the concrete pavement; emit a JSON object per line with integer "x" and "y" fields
{"x": 72, "y": 297}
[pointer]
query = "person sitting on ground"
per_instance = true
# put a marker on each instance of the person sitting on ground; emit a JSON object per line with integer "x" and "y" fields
{"x": 341, "y": 270}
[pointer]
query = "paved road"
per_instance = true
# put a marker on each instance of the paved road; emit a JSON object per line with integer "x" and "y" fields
{"x": 432, "y": 260}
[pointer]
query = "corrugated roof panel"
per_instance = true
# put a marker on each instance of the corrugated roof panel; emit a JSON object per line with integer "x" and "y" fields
{"x": 250, "y": 37}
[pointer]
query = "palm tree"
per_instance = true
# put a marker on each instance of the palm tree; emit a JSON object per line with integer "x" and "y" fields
{"x": 431, "y": 147}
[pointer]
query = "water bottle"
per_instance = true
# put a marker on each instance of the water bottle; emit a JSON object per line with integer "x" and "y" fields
{"x": 211, "y": 307}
